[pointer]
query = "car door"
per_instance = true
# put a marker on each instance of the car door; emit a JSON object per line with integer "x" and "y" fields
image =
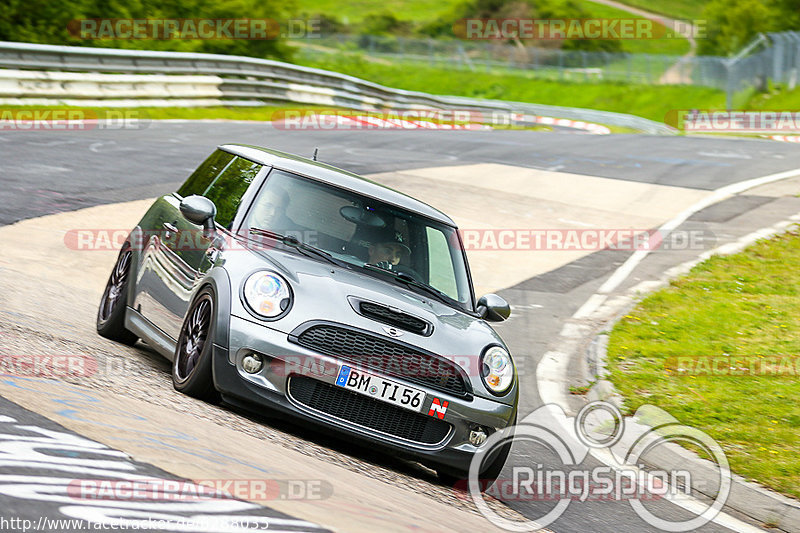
{"x": 178, "y": 253}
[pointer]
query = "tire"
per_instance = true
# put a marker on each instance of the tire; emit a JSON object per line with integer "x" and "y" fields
{"x": 488, "y": 476}
{"x": 191, "y": 366}
{"x": 111, "y": 313}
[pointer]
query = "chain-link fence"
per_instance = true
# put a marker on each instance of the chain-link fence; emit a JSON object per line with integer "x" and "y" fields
{"x": 774, "y": 56}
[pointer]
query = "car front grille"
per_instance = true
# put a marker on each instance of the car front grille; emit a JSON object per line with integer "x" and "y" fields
{"x": 385, "y": 356}
{"x": 398, "y": 319}
{"x": 367, "y": 412}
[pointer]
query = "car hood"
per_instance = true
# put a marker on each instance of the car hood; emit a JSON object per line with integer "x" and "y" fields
{"x": 324, "y": 291}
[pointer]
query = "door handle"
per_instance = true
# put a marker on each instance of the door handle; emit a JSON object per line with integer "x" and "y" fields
{"x": 169, "y": 229}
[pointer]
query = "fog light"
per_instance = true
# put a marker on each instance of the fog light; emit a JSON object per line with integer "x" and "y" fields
{"x": 477, "y": 436}
{"x": 252, "y": 363}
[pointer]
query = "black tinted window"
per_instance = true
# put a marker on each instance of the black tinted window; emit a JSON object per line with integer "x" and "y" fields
{"x": 227, "y": 189}
{"x": 199, "y": 181}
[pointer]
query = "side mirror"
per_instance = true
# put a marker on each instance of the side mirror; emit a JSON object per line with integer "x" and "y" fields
{"x": 199, "y": 210}
{"x": 493, "y": 308}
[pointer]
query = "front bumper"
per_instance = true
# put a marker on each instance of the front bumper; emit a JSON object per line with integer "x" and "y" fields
{"x": 285, "y": 360}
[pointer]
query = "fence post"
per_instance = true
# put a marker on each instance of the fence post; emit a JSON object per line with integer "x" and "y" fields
{"x": 628, "y": 67}
{"x": 777, "y": 56}
{"x": 729, "y": 84}
{"x": 583, "y": 62}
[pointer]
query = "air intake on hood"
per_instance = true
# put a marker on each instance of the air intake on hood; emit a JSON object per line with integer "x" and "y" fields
{"x": 398, "y": 319}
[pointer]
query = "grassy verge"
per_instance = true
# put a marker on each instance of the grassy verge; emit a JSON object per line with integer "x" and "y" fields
{"x": 671, "y": 44}
{"x": 651, "y": 101}
{"x": 207, "y": 113}
{"x": 777, "y": 99}
{"x": 354, "y": 11}
{"x": 161, "y": 113}
{"x": 742, "y": 308}
{"x": 420, "y": 12}
{"x": 679, "y": 9}
{"x": 261, "y": 113}
{"x": 648, "y": 101}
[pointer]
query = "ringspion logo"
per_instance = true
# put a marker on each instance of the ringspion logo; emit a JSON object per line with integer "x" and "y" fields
{"x": 574, "y": 476}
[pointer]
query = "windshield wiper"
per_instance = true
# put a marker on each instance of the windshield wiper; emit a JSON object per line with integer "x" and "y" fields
{"x": 405, "y": 278}
{"x": 290, "y": 240}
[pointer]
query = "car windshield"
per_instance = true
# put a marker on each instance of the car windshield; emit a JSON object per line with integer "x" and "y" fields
{"x": 360, "y": 230}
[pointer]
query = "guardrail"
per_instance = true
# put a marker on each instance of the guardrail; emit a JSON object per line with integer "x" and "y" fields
{"x": 242, "y": 81}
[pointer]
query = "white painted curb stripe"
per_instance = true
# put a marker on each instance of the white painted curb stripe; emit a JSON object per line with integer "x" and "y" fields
{"x": 554, "y": 364}
{"x": 717, "y": 196}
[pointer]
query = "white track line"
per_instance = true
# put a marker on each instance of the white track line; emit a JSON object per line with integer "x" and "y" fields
{"x": 554, "y": 363}
{"x": 717, "y": 196}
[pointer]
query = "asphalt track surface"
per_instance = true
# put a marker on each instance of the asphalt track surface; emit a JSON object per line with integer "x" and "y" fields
{"x": 50, "y": 172}
{"x": 34, "y": 451}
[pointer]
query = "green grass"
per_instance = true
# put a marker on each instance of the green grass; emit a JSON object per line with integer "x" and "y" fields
{"x": 354, "y": 11}
{"x": 669, "y": 45}
{"x": 679, "y": 9}
{"x": 651, "y": 102}
{"x": 777, "y": 99}
{"x": 745, "y": 305}
{"x": 421, "y": 12}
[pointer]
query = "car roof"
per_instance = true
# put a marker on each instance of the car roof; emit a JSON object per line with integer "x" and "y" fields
{"x": 336, "y": 177}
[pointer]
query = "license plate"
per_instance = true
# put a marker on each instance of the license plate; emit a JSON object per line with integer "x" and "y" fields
{"x": 380, "y": 388}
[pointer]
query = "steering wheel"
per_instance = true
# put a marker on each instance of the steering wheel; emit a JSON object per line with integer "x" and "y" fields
{"x": 408, "y": 271}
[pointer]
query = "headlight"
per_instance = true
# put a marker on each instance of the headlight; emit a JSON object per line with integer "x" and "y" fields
{"x": 497, "y": 370}
{"x": 267, "y": 294}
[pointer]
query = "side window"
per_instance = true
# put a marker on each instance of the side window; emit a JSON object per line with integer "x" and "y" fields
{"x": 199, "y": 181}
{"x": 442, "y": 275}
{"x": 227, "y": 189}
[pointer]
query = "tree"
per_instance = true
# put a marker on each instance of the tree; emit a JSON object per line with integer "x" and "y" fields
{"x": 734, "y": 23}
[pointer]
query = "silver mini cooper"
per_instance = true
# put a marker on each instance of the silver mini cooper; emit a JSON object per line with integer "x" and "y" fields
{"x": 276, "y": 282}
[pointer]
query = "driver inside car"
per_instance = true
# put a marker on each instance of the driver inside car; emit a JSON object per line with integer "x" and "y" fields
{"x": 388, "y": 250}
{"x": 270, "y": 211}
